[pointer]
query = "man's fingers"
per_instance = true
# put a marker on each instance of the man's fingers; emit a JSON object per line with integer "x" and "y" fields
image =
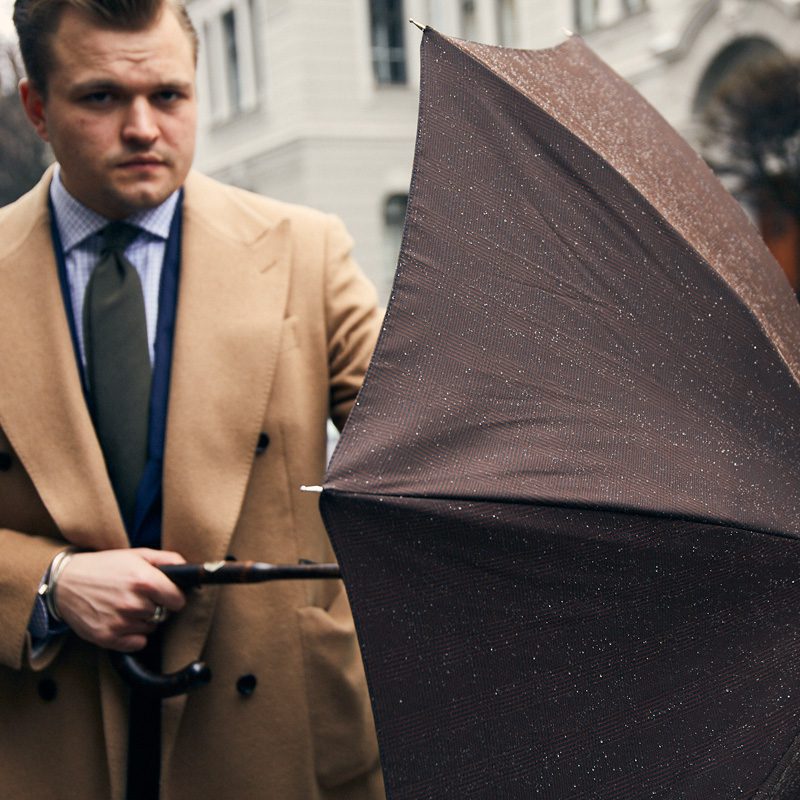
{"x": 140, "y": 627}
{"x": 163, "y": 592}
{"x": 159, "y": 558}
{"x": 147, "y": 613}
{"x": 110, "y": 596}
{"x": 124, "y": 635}
{"x": 128, "y": 644}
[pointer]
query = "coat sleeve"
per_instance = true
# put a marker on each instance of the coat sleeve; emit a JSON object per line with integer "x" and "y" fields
{"x": 353, "y": 321}
{"x": 24, "y": 560}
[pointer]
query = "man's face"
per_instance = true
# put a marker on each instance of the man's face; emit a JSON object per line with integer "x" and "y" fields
{"x": 120, "y": 111}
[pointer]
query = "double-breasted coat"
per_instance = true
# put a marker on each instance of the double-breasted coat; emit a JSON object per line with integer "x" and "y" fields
{"x": 275, "y": 325}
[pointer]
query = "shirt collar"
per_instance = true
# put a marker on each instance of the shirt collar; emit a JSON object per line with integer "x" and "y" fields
{"x": 76, "y": 222}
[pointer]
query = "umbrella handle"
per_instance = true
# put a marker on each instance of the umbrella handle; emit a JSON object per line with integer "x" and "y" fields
{"x": 186, "y": 576}
{"x": 169, "y": 684}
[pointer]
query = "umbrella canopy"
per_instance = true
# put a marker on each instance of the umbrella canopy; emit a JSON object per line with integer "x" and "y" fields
{"x": 566, "y": 505}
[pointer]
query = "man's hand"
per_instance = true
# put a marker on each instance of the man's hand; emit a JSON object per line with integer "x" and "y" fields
{"x": 109, "y": 597}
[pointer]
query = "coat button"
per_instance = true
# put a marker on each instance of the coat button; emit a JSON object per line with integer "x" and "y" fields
{"x": 262, "y": 444}
{"x": 47, "y": 689}
{"x": 246, "y": 685}
{"x": 5, "y": 462}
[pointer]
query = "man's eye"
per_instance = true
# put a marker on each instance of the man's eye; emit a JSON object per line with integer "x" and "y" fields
{"x": 168, "y": 96}
{"x": 98, "y": 98}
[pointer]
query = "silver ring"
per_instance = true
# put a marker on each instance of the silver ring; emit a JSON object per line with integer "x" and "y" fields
{"x": 159, "y": 615}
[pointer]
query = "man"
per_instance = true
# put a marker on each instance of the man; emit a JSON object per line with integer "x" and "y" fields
{"x": 241, "y": 324}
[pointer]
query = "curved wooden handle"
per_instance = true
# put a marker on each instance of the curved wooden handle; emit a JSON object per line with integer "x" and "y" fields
{"x": 187, "y": 576}
{"x": 136, "y": 675}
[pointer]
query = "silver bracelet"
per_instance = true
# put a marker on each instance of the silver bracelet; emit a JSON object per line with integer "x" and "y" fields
{"x": 47, "y": 591}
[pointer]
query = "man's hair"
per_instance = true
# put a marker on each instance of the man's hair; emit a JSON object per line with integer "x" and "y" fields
{"x": 36, "y": 22}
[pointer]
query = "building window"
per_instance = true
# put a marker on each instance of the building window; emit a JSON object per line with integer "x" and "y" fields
{"x": 256, "y": 31}
{"x": 232, "y": 75}
{"x": 388, "y": 47}
{"x": 215, "y": 90}
{"x": 231, "y": 60}
{"x": 592, "y": 14}
{"x": 586, "y": 15}
{"x": 630, "y": 7}
{"x": 436, "y": 14}
{"x": 394, "y": 217}
{"x": 469, "y": 20}
{"x": 506, "y": 23}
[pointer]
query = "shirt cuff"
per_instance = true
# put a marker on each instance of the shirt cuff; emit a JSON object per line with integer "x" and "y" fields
{"x": 42, "y": 627}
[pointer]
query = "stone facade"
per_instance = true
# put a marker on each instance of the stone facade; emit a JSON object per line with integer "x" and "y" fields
{"x": 315, "y": 101}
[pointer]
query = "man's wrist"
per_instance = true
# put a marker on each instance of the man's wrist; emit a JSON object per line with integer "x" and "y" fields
{"x": 48, "y": 588}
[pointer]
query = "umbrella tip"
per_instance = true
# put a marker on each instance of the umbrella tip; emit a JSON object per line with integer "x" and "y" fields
{"x": 316, "y": 489}
{"x": 414, "y": 22}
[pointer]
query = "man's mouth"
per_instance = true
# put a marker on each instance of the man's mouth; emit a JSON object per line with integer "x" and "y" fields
{"x": 142, "y": 162}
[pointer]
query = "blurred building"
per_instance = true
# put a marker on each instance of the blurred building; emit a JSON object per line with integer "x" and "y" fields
{"x": 315, "y": 101}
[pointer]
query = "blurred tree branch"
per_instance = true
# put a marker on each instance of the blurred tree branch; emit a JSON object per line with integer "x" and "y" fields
{"x": 751, "y": 139}
{"x": 751, "y": 134}
{"x": 23, "y": 155}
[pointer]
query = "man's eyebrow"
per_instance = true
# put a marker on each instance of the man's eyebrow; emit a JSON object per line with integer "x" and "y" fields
{"x": 101, "y": 85}
{"x": 87, "y": 87}
{"x": 175, "y": 86}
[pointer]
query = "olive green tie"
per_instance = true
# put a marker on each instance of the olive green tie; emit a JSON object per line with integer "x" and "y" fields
{"x": 118, "y": 367}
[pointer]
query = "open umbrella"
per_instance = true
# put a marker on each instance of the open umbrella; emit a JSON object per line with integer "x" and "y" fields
{"x": 566, "y": 505}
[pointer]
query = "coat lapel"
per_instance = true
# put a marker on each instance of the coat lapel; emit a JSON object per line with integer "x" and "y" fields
{"x": 232, "y": 296}
{"x": 44, "y": 413}
{"x": 231, "y": 301}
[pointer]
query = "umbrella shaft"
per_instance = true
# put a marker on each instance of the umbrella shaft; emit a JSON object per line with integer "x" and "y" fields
{"x": 187, "y": 576}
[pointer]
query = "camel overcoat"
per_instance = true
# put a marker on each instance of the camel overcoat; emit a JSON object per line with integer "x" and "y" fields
{"x": 275, "y": 325}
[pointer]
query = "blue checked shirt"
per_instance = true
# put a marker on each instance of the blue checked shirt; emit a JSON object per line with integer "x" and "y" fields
{"x": 79, "y": 228}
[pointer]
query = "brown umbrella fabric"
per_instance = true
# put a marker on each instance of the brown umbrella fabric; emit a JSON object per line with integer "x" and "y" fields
{"x": 566, "y": 505}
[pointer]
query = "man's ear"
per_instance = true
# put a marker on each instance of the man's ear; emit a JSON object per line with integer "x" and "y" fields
{"x": 33, "y": 103}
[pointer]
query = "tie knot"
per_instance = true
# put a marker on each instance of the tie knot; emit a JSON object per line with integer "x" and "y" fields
{"x": 117, "y": 236}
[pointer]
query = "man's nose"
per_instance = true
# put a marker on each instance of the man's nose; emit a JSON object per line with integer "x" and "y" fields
{"x": 140, "y": 123}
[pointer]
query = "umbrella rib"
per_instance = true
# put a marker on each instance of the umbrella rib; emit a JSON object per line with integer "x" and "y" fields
{"x": 777, "y": 341}
{"x": 576, "y": 506}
